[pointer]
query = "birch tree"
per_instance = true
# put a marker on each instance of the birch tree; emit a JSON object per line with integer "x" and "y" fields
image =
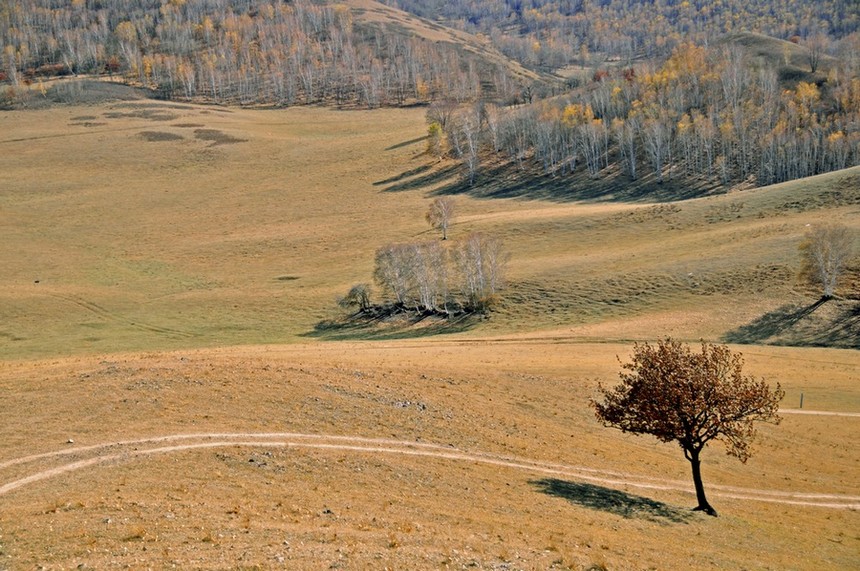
{"x": 481, "y": 263}
{"x": 441, "y": 214}
{"x": 824, "y": 251}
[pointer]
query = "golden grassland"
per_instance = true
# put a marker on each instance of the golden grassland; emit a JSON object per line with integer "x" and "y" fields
{"x": 257, "y": 505}
{"x": 157, "y": 226}
{"x": 165, "y": 267}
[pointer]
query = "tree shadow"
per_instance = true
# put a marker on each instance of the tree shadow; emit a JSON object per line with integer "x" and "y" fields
{"x": 430, "y": 177}
{"x": 402, "y": 176}
{"x": 845, "y": 329}
{"x": 772, "y": 324}
{"x": 358, "y": 328}
{"x": 506, "y": 180}
{"x": 836, "y": 326}
{"x": 406, "y": 143}
{"x": 613, "y": 501}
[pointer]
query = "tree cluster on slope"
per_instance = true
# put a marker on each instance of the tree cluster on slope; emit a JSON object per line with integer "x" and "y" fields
{"x": 237, "y": 52}
{"x": 706, "y": 114}
{"x": 428, "y": 278}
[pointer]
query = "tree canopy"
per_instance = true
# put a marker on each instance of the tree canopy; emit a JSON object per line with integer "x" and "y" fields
{"x": 692, "y": 398}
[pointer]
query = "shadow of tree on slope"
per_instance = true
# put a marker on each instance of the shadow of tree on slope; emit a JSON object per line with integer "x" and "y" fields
{"x": 356, "y": 328}
{"x": 797, "y": 326}
{"x": 772, "y": 324}
{"x": 613, "y": 501}
{"x": 506, "y": 180}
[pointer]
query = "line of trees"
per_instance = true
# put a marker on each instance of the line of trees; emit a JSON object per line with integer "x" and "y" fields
{"x": 428, "y": 278}
{"x": 706, "y": 114}
{"x": 238, "y": 52}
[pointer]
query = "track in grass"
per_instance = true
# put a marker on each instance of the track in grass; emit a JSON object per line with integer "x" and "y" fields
{"x": 88, "y": 456}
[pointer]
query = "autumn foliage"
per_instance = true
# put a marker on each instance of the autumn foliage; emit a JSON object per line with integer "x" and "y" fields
{"x": 706, "y": 117}
{"x": 677, "y": 395}
{"x": 555, "y": 33}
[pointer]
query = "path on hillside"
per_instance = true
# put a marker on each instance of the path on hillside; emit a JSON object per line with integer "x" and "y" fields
{"x": 77, "y": 458}
{"x": 818, "y": 412}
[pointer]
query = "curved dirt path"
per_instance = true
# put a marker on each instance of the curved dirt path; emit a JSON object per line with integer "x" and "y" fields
{"x": 123, "y": 450}
{"x": 818, "y": 412}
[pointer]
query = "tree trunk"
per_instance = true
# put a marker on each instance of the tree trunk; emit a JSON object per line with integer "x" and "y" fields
{"x": 704, "y": 506}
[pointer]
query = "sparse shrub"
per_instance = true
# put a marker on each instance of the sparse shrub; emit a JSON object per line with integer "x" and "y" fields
{"x": 15, "y": 96}
{"x": 49, "y": 70}
{"x": 67, "y": 92}
{"x": 436, "y": 143}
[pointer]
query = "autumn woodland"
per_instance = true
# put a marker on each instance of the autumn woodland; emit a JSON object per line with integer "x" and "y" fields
{"x": 686, "y": 99}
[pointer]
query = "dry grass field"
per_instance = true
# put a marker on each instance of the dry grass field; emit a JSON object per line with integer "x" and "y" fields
{"x": 168, "y": 401}
{"x": 491, "y": 460}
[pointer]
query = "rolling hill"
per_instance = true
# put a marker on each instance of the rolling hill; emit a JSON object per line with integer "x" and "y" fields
{"x": 790, "y": 60}
{"x": 374, "y": 14}
{"x": 168, "y": 401}
{"x": 155, "y": 225}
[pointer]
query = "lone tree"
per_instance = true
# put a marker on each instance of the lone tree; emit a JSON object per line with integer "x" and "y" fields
{"x": 441, "y": 214}
{"x": 825, "y": 250}
{"x": 690, "y": 398}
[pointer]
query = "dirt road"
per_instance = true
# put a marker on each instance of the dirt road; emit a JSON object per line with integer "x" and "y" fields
{"x": 77, "y": 458}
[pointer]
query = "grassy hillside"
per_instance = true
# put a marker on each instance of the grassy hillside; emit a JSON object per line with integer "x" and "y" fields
{"x": 791, "y": 61}
{"x": 145, "y": 225}
{"x": 165, "y": 403}
{"x": 375, "y": 15}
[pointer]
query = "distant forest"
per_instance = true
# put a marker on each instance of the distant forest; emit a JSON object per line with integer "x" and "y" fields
{"x": 662, "y": 89}
{"x": 550, "y": 34}
{"x": 238, "y": 52}
{"x": 677, "y": 89}
{"x": 710, "y": 117}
